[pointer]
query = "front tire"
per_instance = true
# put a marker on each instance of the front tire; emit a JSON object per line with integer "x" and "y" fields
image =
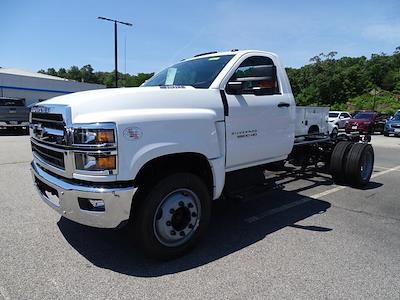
{"x": 172, "y": 216}
{"x": 334, "y": 133}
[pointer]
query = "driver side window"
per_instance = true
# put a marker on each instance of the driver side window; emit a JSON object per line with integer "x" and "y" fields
{"x": 247, "y": 69}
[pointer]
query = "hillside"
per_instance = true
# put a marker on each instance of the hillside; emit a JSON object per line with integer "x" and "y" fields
{"x": 347, "y": 83}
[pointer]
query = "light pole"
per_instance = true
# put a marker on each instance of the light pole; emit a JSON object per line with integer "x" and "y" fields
{"x": 115, "y": 43}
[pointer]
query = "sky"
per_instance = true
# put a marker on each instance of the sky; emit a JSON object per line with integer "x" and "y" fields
{"x": 39, "y": 34}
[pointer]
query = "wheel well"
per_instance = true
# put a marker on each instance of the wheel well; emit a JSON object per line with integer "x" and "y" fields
{"x": 313, "y": 129}
{"x": 159, "y": 167}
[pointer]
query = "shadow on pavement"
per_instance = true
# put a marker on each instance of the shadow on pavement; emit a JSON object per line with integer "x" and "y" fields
{"x": 229, "y": 231}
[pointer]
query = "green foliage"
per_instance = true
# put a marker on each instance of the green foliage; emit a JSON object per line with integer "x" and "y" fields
{"x": 346, "y": 83}
{"x": 87, "y": 74}
{"x": 384, "y": 101}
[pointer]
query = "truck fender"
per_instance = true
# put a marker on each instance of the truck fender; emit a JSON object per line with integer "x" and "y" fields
{"x": 158, "y": 150}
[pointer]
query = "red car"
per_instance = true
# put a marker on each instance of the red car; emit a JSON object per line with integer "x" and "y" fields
{"x": 366, "y": 122}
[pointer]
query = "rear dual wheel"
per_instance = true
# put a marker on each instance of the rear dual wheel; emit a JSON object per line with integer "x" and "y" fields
{"x": 352, "y": 163}
{"x": 359, "y": 165}
{"x": 338, "y": 161}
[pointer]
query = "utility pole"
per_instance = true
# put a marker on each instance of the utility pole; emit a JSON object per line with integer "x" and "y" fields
{"x": 115, "y": 43}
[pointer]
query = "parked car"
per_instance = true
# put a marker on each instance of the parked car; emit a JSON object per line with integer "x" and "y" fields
{"x": 366, "y": 122}
{"x": 13, "y": 114}
{"x": 339, "y": 118}
{"x": 392, "y": 126}
{"x": 333, "y": 130}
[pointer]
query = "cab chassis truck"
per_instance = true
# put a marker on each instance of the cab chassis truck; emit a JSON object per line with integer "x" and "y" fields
{"x": 155, "y": 157}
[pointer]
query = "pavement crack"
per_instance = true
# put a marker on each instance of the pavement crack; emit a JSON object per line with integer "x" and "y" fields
{"x": 14, "y": 163}
{"x": 366, "y": 213}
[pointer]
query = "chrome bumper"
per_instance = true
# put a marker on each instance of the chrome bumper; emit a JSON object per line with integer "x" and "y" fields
{"x": 22, "y": 124}
{"x": 117, "y": 201}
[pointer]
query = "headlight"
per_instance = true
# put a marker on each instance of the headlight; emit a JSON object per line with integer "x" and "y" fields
{"x": 95, "y": 162}
{"x": 88, "y": 136}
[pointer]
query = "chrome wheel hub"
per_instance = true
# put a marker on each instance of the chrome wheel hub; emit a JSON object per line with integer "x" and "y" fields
{"x": 177, "y": 217}
{"x": 366, "y": 165}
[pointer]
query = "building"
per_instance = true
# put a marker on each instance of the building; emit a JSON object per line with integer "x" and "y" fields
{"x": 36, "y": 87}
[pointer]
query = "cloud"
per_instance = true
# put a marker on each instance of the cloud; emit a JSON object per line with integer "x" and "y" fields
{"x": 383, "y": 32}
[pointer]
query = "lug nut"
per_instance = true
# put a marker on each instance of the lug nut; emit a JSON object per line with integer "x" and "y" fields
{"x": 190, "y": 205}
{"x": 182, "y": 233}
{"x": 181, "y": 203}
{"x": 171, "y": 211}
{"x": 194, "y": 214}
{"x": 173, "y": 232}
{"x": 168, "y": 223}
{"x": 190, "y": 226}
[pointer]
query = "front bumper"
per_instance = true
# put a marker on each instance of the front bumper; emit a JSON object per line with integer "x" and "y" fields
{"x": 391, "y": 130}
{"x": 18, "y": 125}
{"x": 67, "y": 196}
{"x": 357, "y": 128}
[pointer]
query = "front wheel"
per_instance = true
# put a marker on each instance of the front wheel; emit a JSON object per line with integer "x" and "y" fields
{"x": 334, "y": 133}
{"x": 172, "y": 216}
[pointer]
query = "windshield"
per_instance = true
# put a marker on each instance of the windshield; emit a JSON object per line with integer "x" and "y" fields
{"x": 363, "y": 116}
{"x": 12, "y": 102}
{"x": 333, "y": 115}
{"x": 198, "y": 73}
{"x": 396, "y": 117}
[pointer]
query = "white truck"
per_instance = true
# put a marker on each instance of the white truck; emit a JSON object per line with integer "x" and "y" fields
{"x": 156, "y": 156}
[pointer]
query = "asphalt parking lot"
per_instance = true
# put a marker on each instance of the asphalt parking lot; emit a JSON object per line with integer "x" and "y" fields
{"x": 310, "y": 239}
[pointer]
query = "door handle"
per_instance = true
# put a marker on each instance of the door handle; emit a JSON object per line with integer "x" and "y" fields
{"x": 283, "y": 104}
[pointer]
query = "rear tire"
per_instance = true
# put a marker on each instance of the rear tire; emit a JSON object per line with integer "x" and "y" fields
{"x": 338, "y": 161}
{"x": 359, "y": 165}
{"x": 171, "y": 216}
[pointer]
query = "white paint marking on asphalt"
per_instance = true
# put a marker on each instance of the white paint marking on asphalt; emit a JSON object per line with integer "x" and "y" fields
{"x": 277, "y": 210}
{"x": 387, "y": 170}
{"x": 3, "y": 294}
{"x": 274, "y": 211}
{"x": 327, "y": 192}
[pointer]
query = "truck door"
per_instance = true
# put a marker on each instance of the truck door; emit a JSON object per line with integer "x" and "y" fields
{"x": 260, "y": 123}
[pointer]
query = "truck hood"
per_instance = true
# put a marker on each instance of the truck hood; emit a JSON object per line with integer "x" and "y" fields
{"x": 107, "y": 104}
{"x": 396, "y": 123}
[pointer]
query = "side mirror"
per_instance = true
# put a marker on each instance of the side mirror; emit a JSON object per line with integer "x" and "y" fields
{"x": 234, "y": 87}
{"x": 257, "y": 80}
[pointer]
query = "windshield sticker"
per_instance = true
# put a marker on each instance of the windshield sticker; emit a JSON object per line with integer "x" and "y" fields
{"x": 214, "y": 58}
{"x": 170, "y": 76}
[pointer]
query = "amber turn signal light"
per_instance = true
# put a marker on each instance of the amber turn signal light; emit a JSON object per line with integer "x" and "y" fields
{"x": 105, "y": 136}
{"x": 106, "y": 162}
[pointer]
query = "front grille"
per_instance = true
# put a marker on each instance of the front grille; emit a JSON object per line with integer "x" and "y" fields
{"x": 53, "y": 121}
{"x": 44, "y": 116}
{"x": 48, "y": 128}
{"x": 49, "y": 156}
